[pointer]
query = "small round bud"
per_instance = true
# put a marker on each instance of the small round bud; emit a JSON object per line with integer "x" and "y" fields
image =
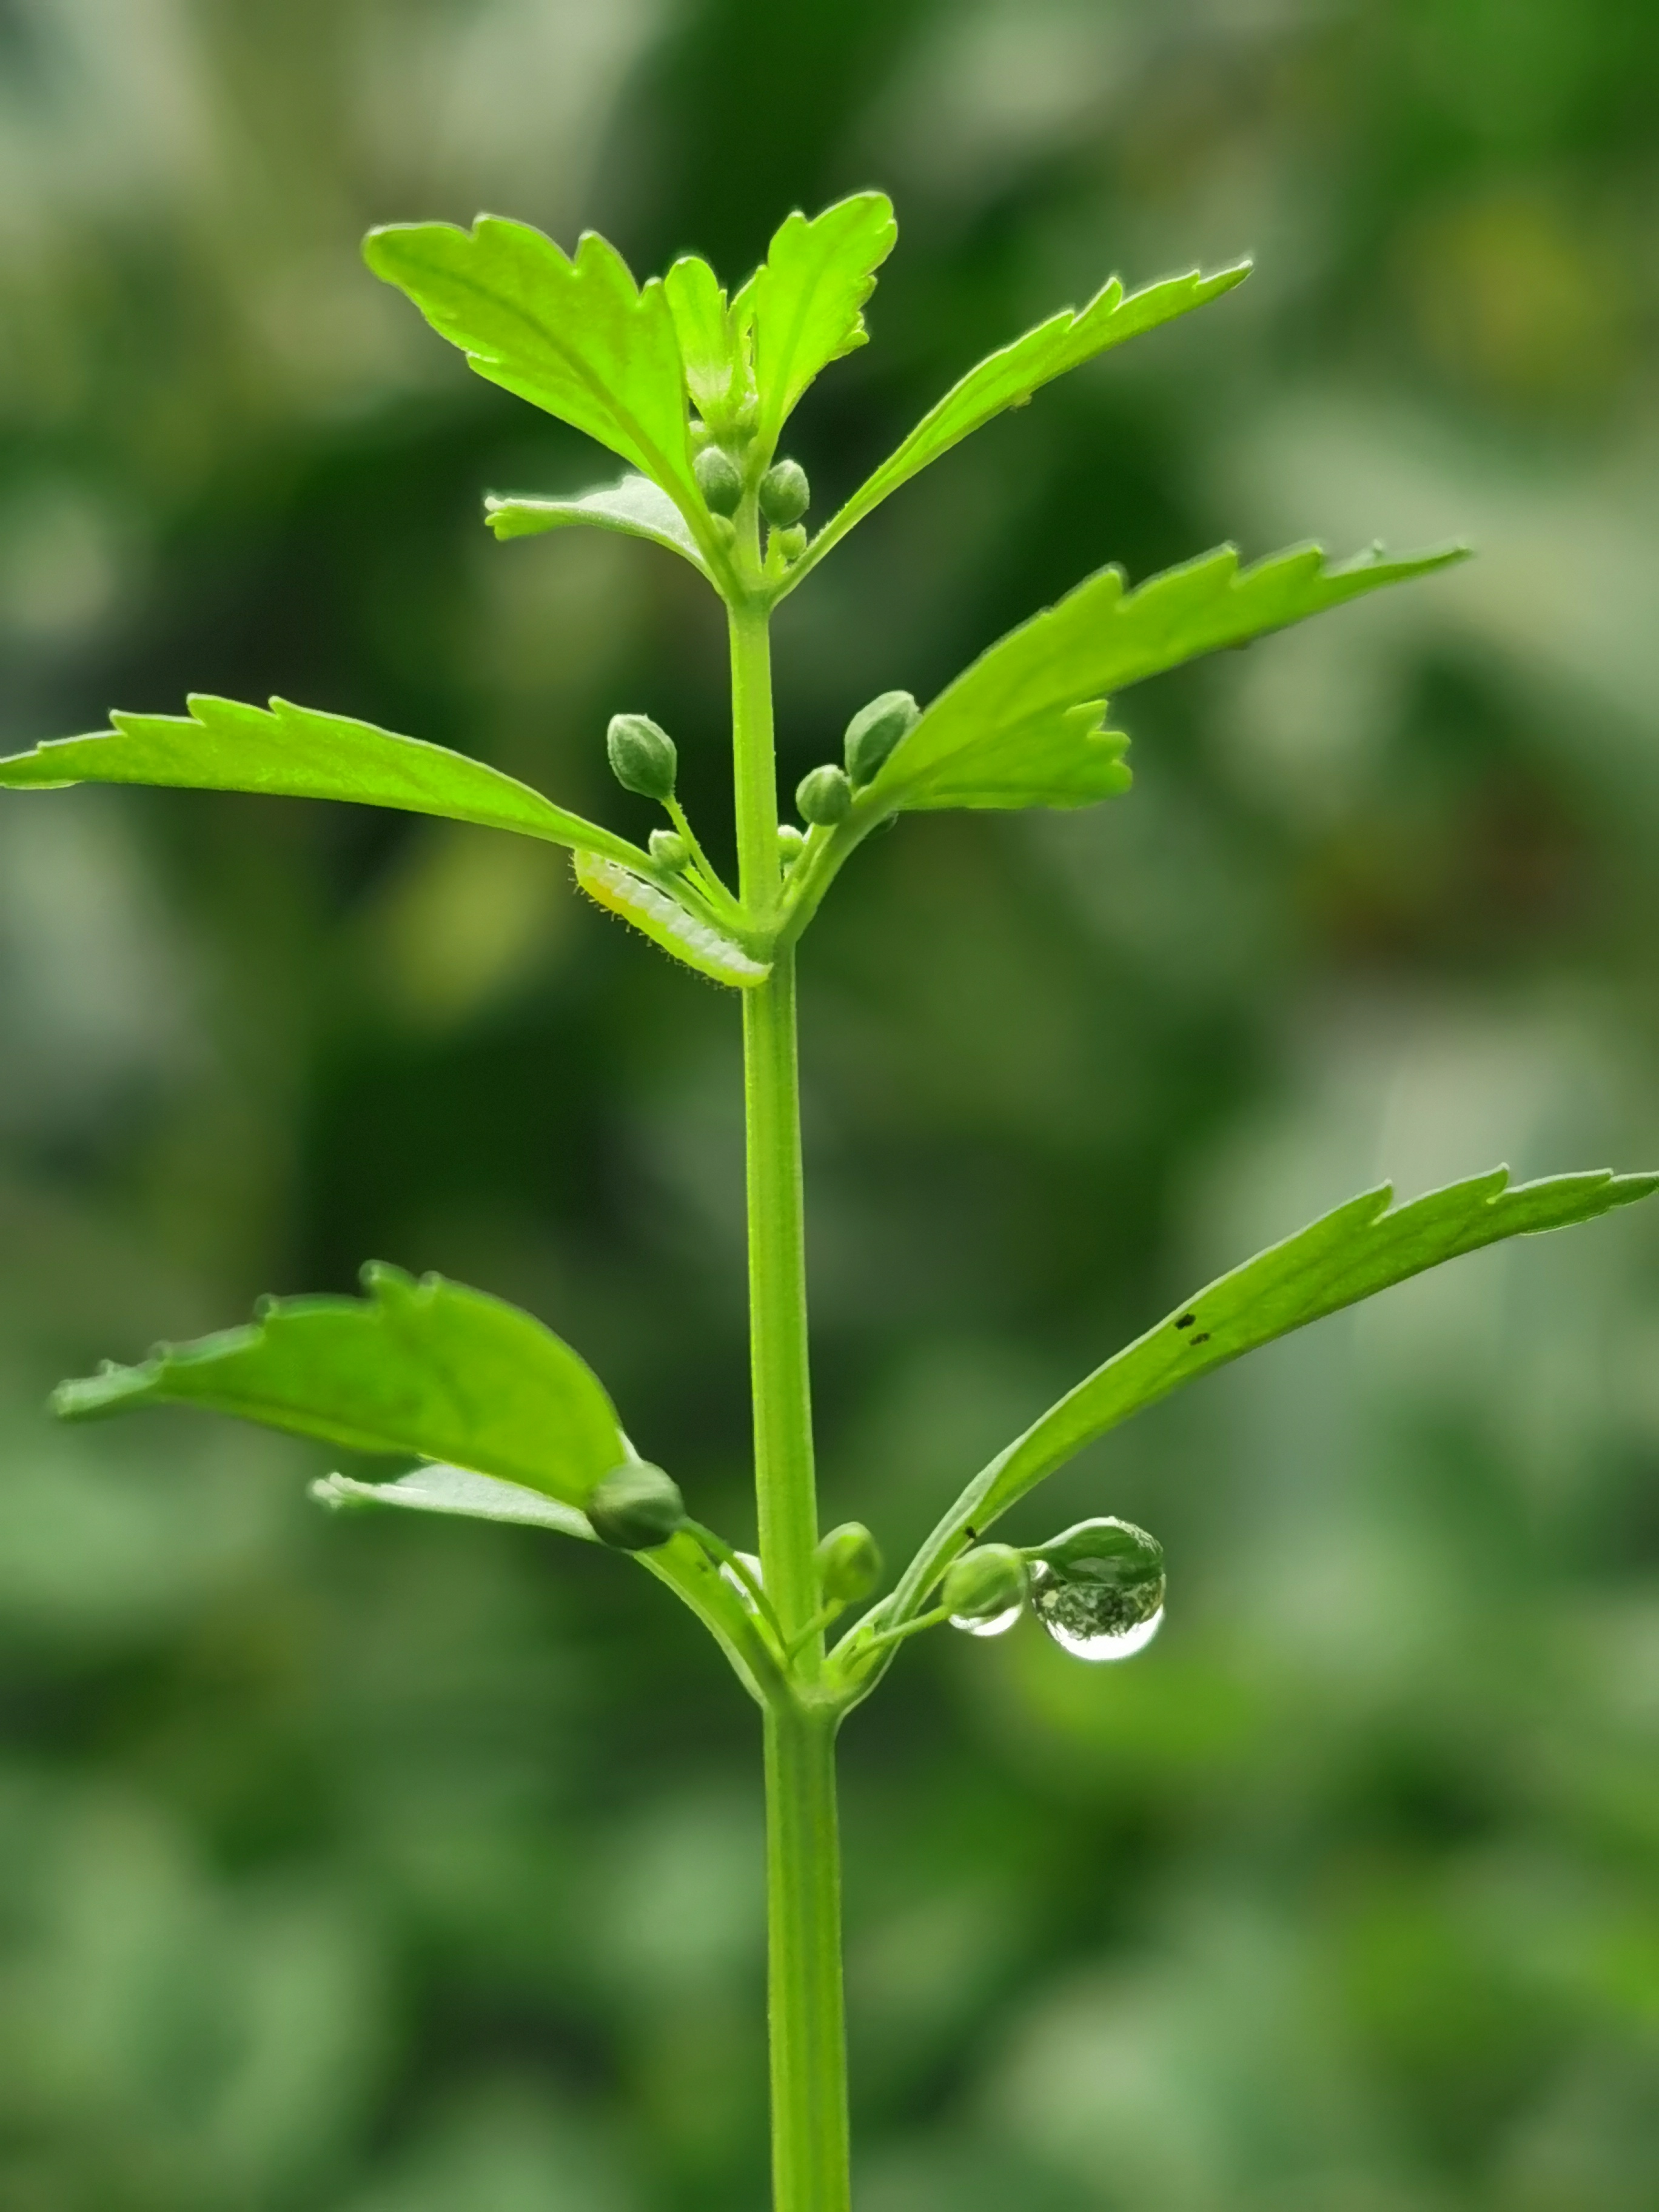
{"x": 784, "y": 494}
{"x": 791, "y": 544}
{"x": 669, "y": 849}
{"x": 849, "y": 1563}
{"x": 635, "y": 1507}
{"x": 791, "y": 844}
{"x": 985, "y": 1589}
{"x": 642, "y": 757}
{"x": 875, "y": 730}
{"x": 824, "y": 796}
{"x": 719, "y": 479}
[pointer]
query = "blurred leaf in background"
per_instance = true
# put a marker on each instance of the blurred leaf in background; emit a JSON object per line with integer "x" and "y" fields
{"x": 382, "y": 1867}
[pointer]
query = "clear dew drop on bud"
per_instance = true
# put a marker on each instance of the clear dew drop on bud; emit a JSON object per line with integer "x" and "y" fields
{"x": 986, "y": 1591}
{"x": 1098, "y": 1589}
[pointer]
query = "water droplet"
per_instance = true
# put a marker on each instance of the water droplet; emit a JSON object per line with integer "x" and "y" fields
{"x": 998, "y": 1624}
{"x": 729, "y": 1574}
{"x": 984, "y": 1592}
{"x": 1103, "y": 1645}
{"x": 1098, "y": 1590}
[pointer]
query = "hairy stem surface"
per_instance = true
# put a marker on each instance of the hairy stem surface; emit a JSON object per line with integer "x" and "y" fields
{"x": 807, "y": 2030}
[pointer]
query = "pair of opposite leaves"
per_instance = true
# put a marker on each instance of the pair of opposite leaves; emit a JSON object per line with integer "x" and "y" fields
{"x": 518, "y": 1428}
{"x": 1021, "y": 726}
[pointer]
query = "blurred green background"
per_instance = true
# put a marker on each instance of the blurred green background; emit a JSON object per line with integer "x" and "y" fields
{"x": 367, "y": 1867}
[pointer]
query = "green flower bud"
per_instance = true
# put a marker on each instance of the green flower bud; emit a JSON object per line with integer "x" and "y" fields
{"x": 784, "y": 494}
{"x": 719, "y": 479}
{"x": 635, "y": 1507}
{"x": 669, "y": 849}
{"x": 849, "y": 1563}
{"x": 824, "y": 796}
{"x": 642, "y": 757}
{"x": 791, "y": 544}
{"x": 1098, "y": 1589}
{"x": 875, "y": 730}
{"x": 985, "y": 1589}
{"x": 791, "y": 844}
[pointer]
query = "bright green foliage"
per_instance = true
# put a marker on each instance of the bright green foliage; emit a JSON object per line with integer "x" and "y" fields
{"x": 805, "y": 301}
{"x": 1009, "y": 378}
{"x": 577, "y": 336}
{"x": 515, "y": 1427}
{"x": 1063, "y": 758}
{"x": 429, "y": 1368}
{"x": 1021, "y": 726}
{"x": 297, "y": 753}
{"x": 635, "y": 508}
{"x": 691, "y": 937}
{"x": 442, "y": 1489}
{"x": 1351, "y": 1254}
{"x": 712, "y": 344}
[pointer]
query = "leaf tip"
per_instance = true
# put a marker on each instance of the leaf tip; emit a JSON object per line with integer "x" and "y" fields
{"x": 83, "y": 1397}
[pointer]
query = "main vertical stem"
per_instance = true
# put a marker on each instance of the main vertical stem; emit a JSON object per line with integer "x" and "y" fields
{"x": 802, "y": 1852}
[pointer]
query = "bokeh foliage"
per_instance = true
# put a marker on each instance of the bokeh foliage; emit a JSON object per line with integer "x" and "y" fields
{"x": 387, "y": 1868}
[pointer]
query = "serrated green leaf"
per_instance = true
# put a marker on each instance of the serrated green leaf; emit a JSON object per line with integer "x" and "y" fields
{"x": 807, "y": 296}
{"x": 1349, "y": 1254}
{"x": 1008, "y": 378}
{"x": 429, "y": 1368}
{"x": 1059, "y": 759}
{"x": 711, "y": 341}
{"x": 296, "y": 752}
{"x": 661, "y": 918}
{"x": 576, "y": 337}
{"x": 634, "y": 507}
{"x": 1015, "y": 720}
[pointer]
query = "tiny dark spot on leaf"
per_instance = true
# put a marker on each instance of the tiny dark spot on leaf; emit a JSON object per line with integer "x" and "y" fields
{"x": 1185, "y": 1321}
{"x": 1203, "y": 1337}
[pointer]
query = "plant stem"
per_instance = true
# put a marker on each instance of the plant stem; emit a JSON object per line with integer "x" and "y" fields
{"x": 777, "y": 1249}
{"x": 803, "y": 1861}
{"x": 804, "y": 1978}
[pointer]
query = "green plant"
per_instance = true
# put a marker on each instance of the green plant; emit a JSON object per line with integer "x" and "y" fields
{"x": 693, "y": 389}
